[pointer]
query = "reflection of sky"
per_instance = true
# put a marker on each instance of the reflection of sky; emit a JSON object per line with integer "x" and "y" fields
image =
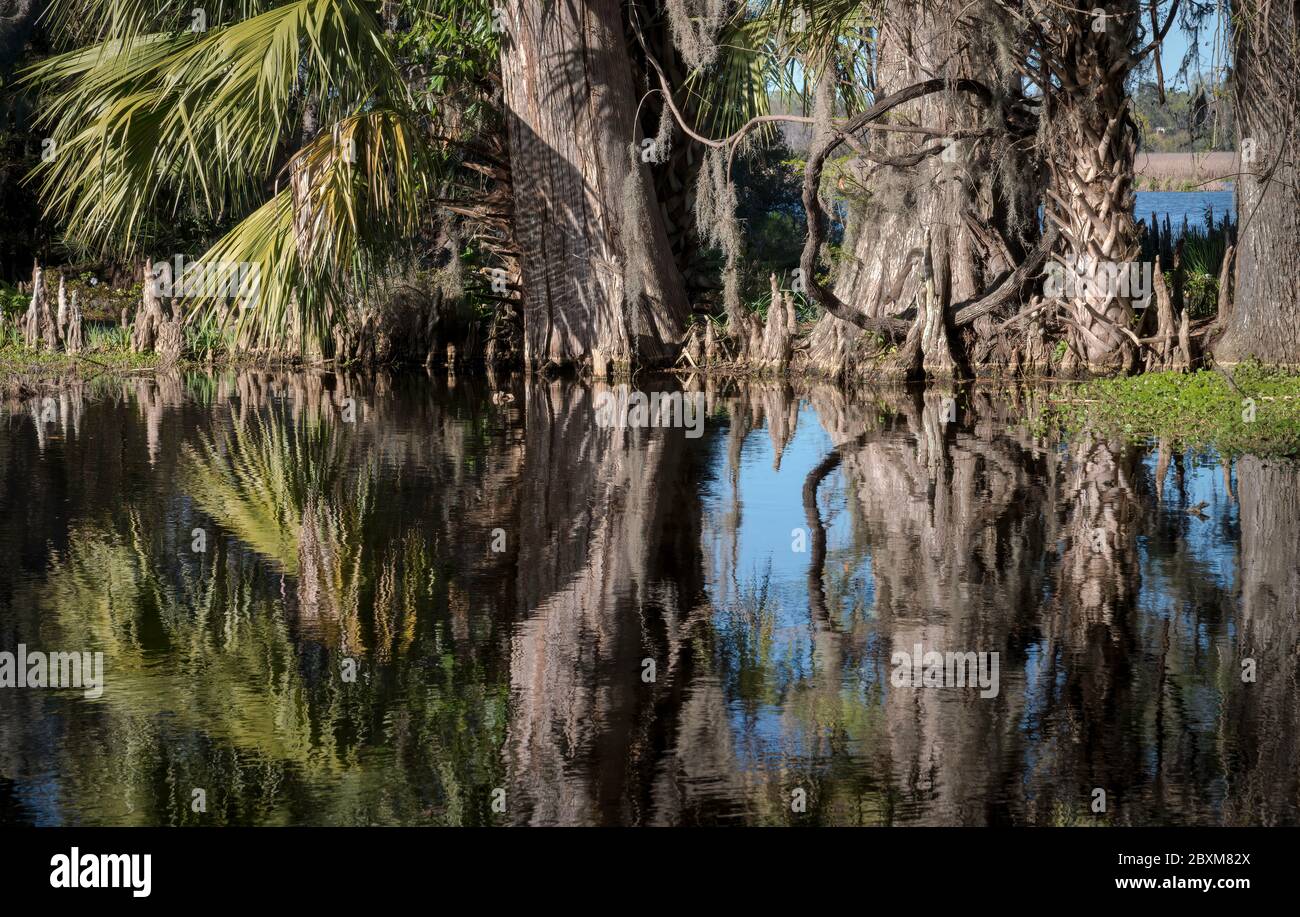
{"x": 771, "y": 508}
{"x": 1210, "y": 544}
{"x": 1210, "y": 541}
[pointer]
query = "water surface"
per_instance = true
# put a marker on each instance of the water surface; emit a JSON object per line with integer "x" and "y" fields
{"x": 1189, "y": 205}
{"x": 554, "y": 622}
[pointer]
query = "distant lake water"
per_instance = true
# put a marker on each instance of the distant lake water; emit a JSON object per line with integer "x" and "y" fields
{"x": 1179, "y": 204}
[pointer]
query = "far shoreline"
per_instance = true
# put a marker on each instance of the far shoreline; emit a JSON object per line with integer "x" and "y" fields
{"x": 1186, "y": 171}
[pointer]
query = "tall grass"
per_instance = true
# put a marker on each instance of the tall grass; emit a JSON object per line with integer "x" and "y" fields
{"x": 1204, "y": 245}
{"x": 105, "y": 338}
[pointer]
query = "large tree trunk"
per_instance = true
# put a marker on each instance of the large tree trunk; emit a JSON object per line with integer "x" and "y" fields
{"x": 1091, "y": 145}
{"x": 1265, "y": 321}
{"x": 926, "y": 206}
{"x": 600, "y": 283}
{"x": 676, "y": 175}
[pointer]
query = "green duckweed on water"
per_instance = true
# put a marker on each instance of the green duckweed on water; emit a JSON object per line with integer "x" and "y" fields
{"x": 1248, "y": 409}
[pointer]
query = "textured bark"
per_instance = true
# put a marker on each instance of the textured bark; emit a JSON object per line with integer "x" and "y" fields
{"x": 889, "y": 228}
{"x": 777, "y": 342}
{"x": 61, "y": 318}
{"x": 42, "y": 327}
{"x": 599, "y": 282}
{"x": 31, "y": 325}
{"x": 73, "y": 333}
{"x": 150, "y": 316}
{"x": 171, "y": 341}
{"x": 49, "y": 328}
{"x": 1161, "y": 353}
{"x": 1265, "y": 318}
{"x": 675, "y": 179}
{"x": 1091, "y": 143}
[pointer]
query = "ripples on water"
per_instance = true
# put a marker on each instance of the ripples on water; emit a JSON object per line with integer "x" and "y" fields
{"x": 770, "y": 569}
{"x": 1184, "y": 205}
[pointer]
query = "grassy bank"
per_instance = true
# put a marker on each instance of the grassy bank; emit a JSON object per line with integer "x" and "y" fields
{"x": 1185, "y": 171}
{"x": 23, "y": 360}
{"x": 1249, "y": 409}
{"x": 22, "y": 368}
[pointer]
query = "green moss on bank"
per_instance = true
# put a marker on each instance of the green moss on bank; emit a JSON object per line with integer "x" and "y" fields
{"x": 1260, "y": 414}
{"x": 22, "y": 361}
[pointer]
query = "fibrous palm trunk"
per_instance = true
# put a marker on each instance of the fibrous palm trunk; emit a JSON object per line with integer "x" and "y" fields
{"x": 1265, "y": 320}
{"x": 1091, "y": 142}
{"x": 600, "y": 286}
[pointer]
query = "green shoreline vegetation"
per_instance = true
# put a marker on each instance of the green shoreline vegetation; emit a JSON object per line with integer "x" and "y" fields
{"x": 1248, "y": 409}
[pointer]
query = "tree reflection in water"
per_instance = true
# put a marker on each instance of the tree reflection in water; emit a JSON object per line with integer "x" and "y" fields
{"x": 502, "y": 572}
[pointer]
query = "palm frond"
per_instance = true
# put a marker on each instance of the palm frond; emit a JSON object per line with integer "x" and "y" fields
{"x": 354, "y": 199}
{"x": 778, "y": 48}
{"x": 197, "y": 117}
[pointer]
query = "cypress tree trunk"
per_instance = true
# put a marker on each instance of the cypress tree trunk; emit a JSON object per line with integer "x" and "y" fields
{"x": 31, "y": 322}
{"x": 45, "y": 327}
{"x": 150, "y": 316}
{"x": 74, "y": 335}
{"x": 1265, "y": 319}
{"x": 913, "y": 211}
{"x": 600, "y": 285}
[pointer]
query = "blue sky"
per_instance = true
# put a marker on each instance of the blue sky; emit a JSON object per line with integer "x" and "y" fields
{"x": 1175, "y": 47}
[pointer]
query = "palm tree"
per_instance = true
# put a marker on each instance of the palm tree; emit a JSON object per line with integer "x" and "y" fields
{"x": 293, "y": 117}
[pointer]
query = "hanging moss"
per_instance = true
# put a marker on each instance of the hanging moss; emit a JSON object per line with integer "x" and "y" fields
{"x": 663, "y": 145}
{"x": 716, "y": 223}
{"x": 695, "y": 25}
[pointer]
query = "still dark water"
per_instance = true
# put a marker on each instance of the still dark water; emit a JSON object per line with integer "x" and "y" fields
{"x": 457, "y": 609}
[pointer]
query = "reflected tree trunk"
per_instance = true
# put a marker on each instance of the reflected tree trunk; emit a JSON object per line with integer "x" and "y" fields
{"x": 608, "y": 570}
{"x": 1261, "y": 719}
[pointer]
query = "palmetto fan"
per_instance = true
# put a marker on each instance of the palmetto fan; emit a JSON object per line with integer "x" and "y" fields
{"x": 208, "y": 117}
